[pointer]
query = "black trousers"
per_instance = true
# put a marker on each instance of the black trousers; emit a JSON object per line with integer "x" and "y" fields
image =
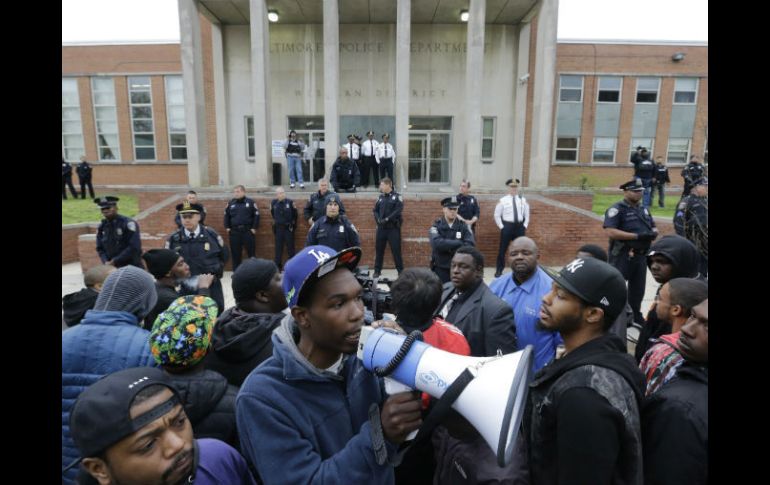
{"x": 386, "y": 169}
{"x": 509, "y": 232}
{"x": 238, "y": 239}
{"x": 634, "y": 271}
{"x": 369, "y": 163}
{"x": 283, "y": 236}
{"x": 390, "y": 235}
{"x": 67, "y": 182}
{"x": 347, "y": 187}
{"x": 83, "y": 184}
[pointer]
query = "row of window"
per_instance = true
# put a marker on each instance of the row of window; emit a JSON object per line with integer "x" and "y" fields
{"x": 604, "y": 149}
{"x": 106, "y": 120}
{"x": 647, "y": 88}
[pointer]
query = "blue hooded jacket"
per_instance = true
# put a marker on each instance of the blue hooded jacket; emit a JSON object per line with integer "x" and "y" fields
{"x": 299, "y": 424}
{"x": 103, "y": 343}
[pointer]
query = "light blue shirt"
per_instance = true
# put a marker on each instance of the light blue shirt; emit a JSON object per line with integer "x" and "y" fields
{"x": 525, "y": 299}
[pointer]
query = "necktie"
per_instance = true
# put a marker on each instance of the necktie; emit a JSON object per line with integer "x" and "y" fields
{"x": 191, "y": 235}
{"x": 386, "y": 151}
{"x": 448, "y": 306}
{"x": 515, "y": 212}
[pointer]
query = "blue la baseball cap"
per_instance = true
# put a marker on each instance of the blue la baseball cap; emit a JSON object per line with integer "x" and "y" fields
{"x": 314, "y": 262}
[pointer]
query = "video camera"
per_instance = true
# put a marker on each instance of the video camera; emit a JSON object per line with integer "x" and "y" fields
{"x": 376, "y": 300}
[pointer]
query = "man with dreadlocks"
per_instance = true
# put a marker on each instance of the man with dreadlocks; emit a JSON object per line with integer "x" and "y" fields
{"x": 691, "y": 220}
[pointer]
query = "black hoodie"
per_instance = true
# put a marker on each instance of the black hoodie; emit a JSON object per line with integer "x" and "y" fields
{"x": 75, "y": 305}
{"x": 684, "y": 258}
{"x": 583, "y": 426}
{"x": 240, "y": 342}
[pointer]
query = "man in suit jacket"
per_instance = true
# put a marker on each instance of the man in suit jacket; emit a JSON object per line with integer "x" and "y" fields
{"x": 467, "y": 303}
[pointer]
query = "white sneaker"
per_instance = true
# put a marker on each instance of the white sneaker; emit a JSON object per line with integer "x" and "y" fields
{"x": 292, "y": 186}
{"x": 301, "y": 186}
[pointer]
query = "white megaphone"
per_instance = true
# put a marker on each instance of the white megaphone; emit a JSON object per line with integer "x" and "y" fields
{"x": 493, "y": 402}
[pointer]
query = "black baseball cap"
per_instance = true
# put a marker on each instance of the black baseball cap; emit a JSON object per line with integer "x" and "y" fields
{"x": 595, "y": 282}
{"x": 101, "y": 415}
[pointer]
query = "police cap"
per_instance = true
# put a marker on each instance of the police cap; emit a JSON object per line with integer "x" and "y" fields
{"x": 450, "y": 202}
{"x": 634, "y": 185}
{"x": 187, "y": 208}
{"x": 512, "y": 182}
{"x": 106, "y": 202}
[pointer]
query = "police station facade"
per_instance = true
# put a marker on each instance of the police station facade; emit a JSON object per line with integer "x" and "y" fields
{"x": 485, "y": 100}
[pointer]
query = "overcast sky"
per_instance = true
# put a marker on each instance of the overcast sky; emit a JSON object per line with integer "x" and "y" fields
{"x": 158, "y": 20}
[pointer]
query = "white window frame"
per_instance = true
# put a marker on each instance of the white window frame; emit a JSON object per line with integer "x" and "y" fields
{"x": 75, "y": 108}
{"x": 491, "y": 158}
{"x": 695, "y": 98}
{"x": 99, "y": 146}
{"x": 582, "y": 87}
{"x": 131, "y": 106}
{"x": 687, "y": 153}
{"x": 599, "y": 89}
{"x": 635, "y": 143}
{"x": 614, "y": 150}
{"x": 556, "y": 149}
{"x": 170, "y": 105}
{"x": 249, "y": 139}
{"x": 657, "y": 90}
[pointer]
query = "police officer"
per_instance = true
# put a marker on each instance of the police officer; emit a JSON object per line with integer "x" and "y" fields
{"x": 201, "y": 247}
{"x": 192, "y": 198}
{"x": 334, "y": 229}
{"x": 644, "y": 169}
{"x": 354, "y": 152}
{"x": 118, "y": 241}
{"x": 386, "y": 158}
{"x": 241, "y": 223}
{"x": 345, "y": 174}
{"x": 512, "y": 218}
{"x": 631, "y": 230}
{"x": 316, "y": 205}
{"x": 693, "y": 171}
{"x": 469, "y": 210}
{"x": 446, "y": 235}
{"x": 84, "y": 176}
{"x": 66, "y": 180}
{"x": 284, "y": 221}
{"x": 369, "y": 161}
{"x": 691, "y": 220}
{"x": 387, "y": 215}
{"x": 660, "y": 181}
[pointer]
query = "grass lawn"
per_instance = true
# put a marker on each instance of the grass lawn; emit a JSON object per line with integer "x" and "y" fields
{"x": 74, "y": 211}
{"x": 602, "y": 202}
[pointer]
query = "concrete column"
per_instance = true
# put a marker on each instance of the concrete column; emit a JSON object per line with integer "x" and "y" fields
{"x": 474, "y": 72}
{"x": 220, "y": 103}
{"x": 194, "y": 106}
{"x": 403, "y": 40}
{"x": 331, "y": 80}
{"x": 542, "y": 106}
{"x": 260, "y": 93}
{"x": 520, "y": 100}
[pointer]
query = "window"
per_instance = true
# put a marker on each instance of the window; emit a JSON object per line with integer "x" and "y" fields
{"x": 488, "y": 139}
{"x": 685, "y": 89}
{"x": 567, "y": 149}
{"x": 105, "y": 115}
{"x": 71, "y": 129}
{"x": 604, "y": 150}
{"x": 571, "y": 88}
{"x": 647, "y": 89}
{"x": 609, "y": 89}
{"x": 647, "y": 143}
{"x": 177, "y": 135}
{"x": 250, "y": 138}
{"x": 678, "y": 150}
{"x": 140, "y": 102}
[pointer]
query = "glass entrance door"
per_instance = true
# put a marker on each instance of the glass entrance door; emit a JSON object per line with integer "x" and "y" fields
{"x": 313, "y": 161}
{"x": 429, "y": 157}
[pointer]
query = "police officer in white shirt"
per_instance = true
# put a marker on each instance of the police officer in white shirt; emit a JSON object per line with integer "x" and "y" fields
{"x": 386, "y": 158}
{"x": 369, "y": 160}
{"x": 512, "y": 217}
{"x": 354, "y": 150}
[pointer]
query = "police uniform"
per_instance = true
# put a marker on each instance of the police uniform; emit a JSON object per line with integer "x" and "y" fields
{"x": 204, "y": 251}
{"x": 469, "y": 208}
{"x": 338, "y": 233}
{"x": 644, "y": 169}
{"x": 316, "y": 205}
{"x": 690, "y": 173}
{"x": 84, "y": 176}
{"x": 661, "y": 179}
{"x": 512, "y": 218}
{"x": 178, "y": 218}
{"x": 66, "y": 180}
{"x": 345, "y": 175}
{"x": 691, "y": 221}
{"x": 445, "y": 239}
{"x": 387, "y": 215}
{"x": 369, "y": 161}
{"x": 629, "y": 257}
{"x": 385, "y": 156}
{"x": 118, "y": 240}
{"x": 284, "y": 221}
{"x": 241, "y": 216}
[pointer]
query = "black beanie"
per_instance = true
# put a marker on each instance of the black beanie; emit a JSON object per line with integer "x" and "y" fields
{"x": 251, "y": 276}
{"x": 160, "y": 261}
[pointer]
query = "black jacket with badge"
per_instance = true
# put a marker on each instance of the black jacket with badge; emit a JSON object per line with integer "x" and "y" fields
{"x": 581, "y": 423}
{"x": 84, "y": 171}
{"x": 284, "y": 213}
{"x": 316, "y": 205}
{"x": 675, "y": 429}
{"x": 469, "y": 206}
{"x": 345, "y": 174}
{"x": 661, "y": 174}
{"x": 446, "y": 239}
{"x": 209, "y": 402}
{"x": 241, "y": 212}
{"x": 338, "y": 233}
{"x": 387, "y": 210}
{"x": 240, "y": 342}
{"x": 205, "y": 253}
{"x": 625, "y": 217}
{"x": 119, "y": 241}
